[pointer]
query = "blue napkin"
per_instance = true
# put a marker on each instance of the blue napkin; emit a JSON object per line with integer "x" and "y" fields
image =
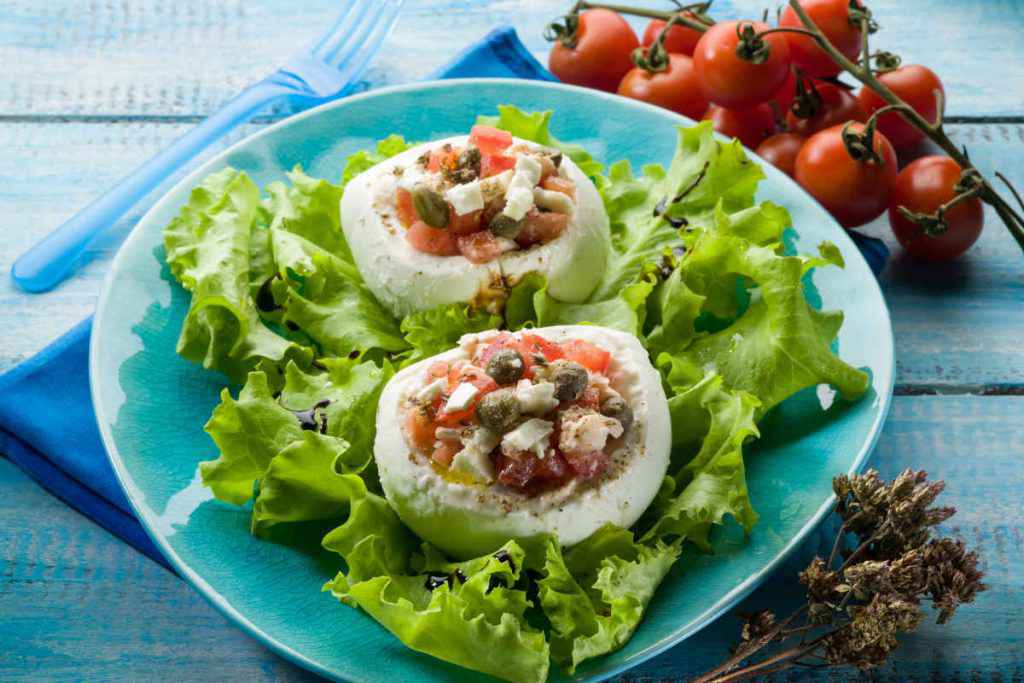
{"x": 47, "y": 425}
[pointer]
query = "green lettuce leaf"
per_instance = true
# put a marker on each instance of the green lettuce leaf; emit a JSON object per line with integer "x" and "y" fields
{"x": 712, "y": 484}
{"x": 780, "y": 344}
{"x": 208, "y": 246}
{"x": 595, "y": 596}
{"x": 530, "y": 304}
{"x": 707, "y": 174}
{"x": 253, "y": 429}
{"x": 535, "y": 127}
{"x": 364, "y": 160}
{"x": 439, "y": 329}
{"x": 473, "y": 618}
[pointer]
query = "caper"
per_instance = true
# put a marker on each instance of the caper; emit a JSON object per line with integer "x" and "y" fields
{"x": 505, "y": 226}
{"x": 569, "y": 378}
{"x": 499, "y": 410}
{"x": 617, "y": 408}
{"x": 431, "y": 207}
{"x": 506, "y": 366}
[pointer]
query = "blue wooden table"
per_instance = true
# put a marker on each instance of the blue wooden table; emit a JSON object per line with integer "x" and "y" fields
{"x": 90, "y": 89}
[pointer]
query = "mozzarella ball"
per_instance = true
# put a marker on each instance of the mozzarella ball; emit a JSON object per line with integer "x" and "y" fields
{"x": 466, "y": 512}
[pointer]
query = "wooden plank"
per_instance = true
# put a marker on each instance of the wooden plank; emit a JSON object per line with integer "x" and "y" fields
{"x": 78, "y": 603}
{"x": 957, "y": 325}
{"x": 139, "y": 57}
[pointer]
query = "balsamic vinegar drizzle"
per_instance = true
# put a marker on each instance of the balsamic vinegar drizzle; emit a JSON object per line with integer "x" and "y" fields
{"x": 308, "y": 419}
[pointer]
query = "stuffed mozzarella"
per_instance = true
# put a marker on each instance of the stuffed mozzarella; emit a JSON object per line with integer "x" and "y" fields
{"x": 558, "y": 429}
{"x": 463, "y": 219}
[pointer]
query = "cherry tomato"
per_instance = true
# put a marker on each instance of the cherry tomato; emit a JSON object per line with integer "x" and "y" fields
{"x": 680, "y": 39}
{"x": 853, "y": 191}
{"x": 781, "y": 151}
{"x": 922, "y": 187}
{"x": 833, "y": 18}
{"x": 837, "y": 106}
{"x": 602, "y": 54}
{"x": 752, "y": 126}
{"x": 731, "y": 81}
{"x": 785, "y": 95}
{"x": 677, "y": 88}
{"x": 431, "y": 240}
{"x": 915, "y": 85}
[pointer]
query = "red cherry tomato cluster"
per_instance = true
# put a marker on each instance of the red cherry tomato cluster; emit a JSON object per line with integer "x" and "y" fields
{"x": 776, "y": 92}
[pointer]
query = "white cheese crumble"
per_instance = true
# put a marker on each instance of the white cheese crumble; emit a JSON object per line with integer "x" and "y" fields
{"x": 519, "y": 197}
{"x": 474, "y": 459}
{"x": 432, "y": 390}
{"x": 553, "y": 201}
{"x": 466, "y": 198}
{"x": 415, "y": 175}
{"x": 585, "y": 431}
{"x": 532, "y": 435}
{"x": 536, "y": 399}
{"x": 461, "y": 398}
{"x": 505, "y": 244}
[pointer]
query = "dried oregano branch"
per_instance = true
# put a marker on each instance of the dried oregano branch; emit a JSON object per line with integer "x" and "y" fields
{"x": 884, "y": 567}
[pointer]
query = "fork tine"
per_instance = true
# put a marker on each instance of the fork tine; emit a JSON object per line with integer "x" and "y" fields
{"x": 340, "y": 26}
{"x": 348, "y": 32}
{"x": 356, "y": 44}
{"x": 369, "y": 48}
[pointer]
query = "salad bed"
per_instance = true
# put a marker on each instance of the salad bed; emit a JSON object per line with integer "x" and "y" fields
{"x": 698, "y": 273}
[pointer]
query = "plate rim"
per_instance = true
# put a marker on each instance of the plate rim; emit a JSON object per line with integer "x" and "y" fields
{"x": 136, "y": 497}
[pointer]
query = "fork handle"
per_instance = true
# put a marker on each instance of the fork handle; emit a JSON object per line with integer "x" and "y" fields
{"x": 48, "y": 263}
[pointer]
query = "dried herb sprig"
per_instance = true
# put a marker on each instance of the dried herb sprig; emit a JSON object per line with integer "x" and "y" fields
{"x": 885, "y": 565}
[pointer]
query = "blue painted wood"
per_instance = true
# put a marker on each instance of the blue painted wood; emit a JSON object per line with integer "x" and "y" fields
{"x": 79, "y": 604}
{"x": 139, "y": 57}
{"x": 76, "y": 603}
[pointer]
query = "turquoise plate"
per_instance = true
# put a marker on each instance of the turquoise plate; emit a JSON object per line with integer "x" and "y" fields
{"x": 151, "y": 405}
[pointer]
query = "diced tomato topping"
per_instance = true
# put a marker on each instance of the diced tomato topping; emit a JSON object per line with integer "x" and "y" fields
{"x": 464, "y": 224}
{"x": 479, "y": 247}
{"x": 475, "y": 376}
{"x": 420, "y": 429}
{"x": 553, "y": 469}
{"x": 490, "y": 140}
{"x": 587, "y": 465}
{"x": 493, "y": 164}
{"x": 505, "y": 340}
{"x": 534, "y": 344}
{"x": 406, "y": 211}
{"x": 442, "y": 158}
{"x": 590, "y": 398}
{"x": 592, "y": 357}
{"x": 445, "y": 452}
{"x": 558, "y": 184}
{"x": 431, "y": 240}
{"x": 539, "y": 228}
{"x": 437, "y": 369}
{"x": 518, "y": 471}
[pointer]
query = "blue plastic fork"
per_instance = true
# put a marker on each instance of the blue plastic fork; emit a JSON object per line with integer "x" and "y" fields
{"x": 324, "y": 71}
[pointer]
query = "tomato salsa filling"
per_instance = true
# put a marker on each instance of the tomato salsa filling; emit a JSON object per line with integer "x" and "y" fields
{"x": 523, "y": 412}
{"x": 482, "y": 200}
